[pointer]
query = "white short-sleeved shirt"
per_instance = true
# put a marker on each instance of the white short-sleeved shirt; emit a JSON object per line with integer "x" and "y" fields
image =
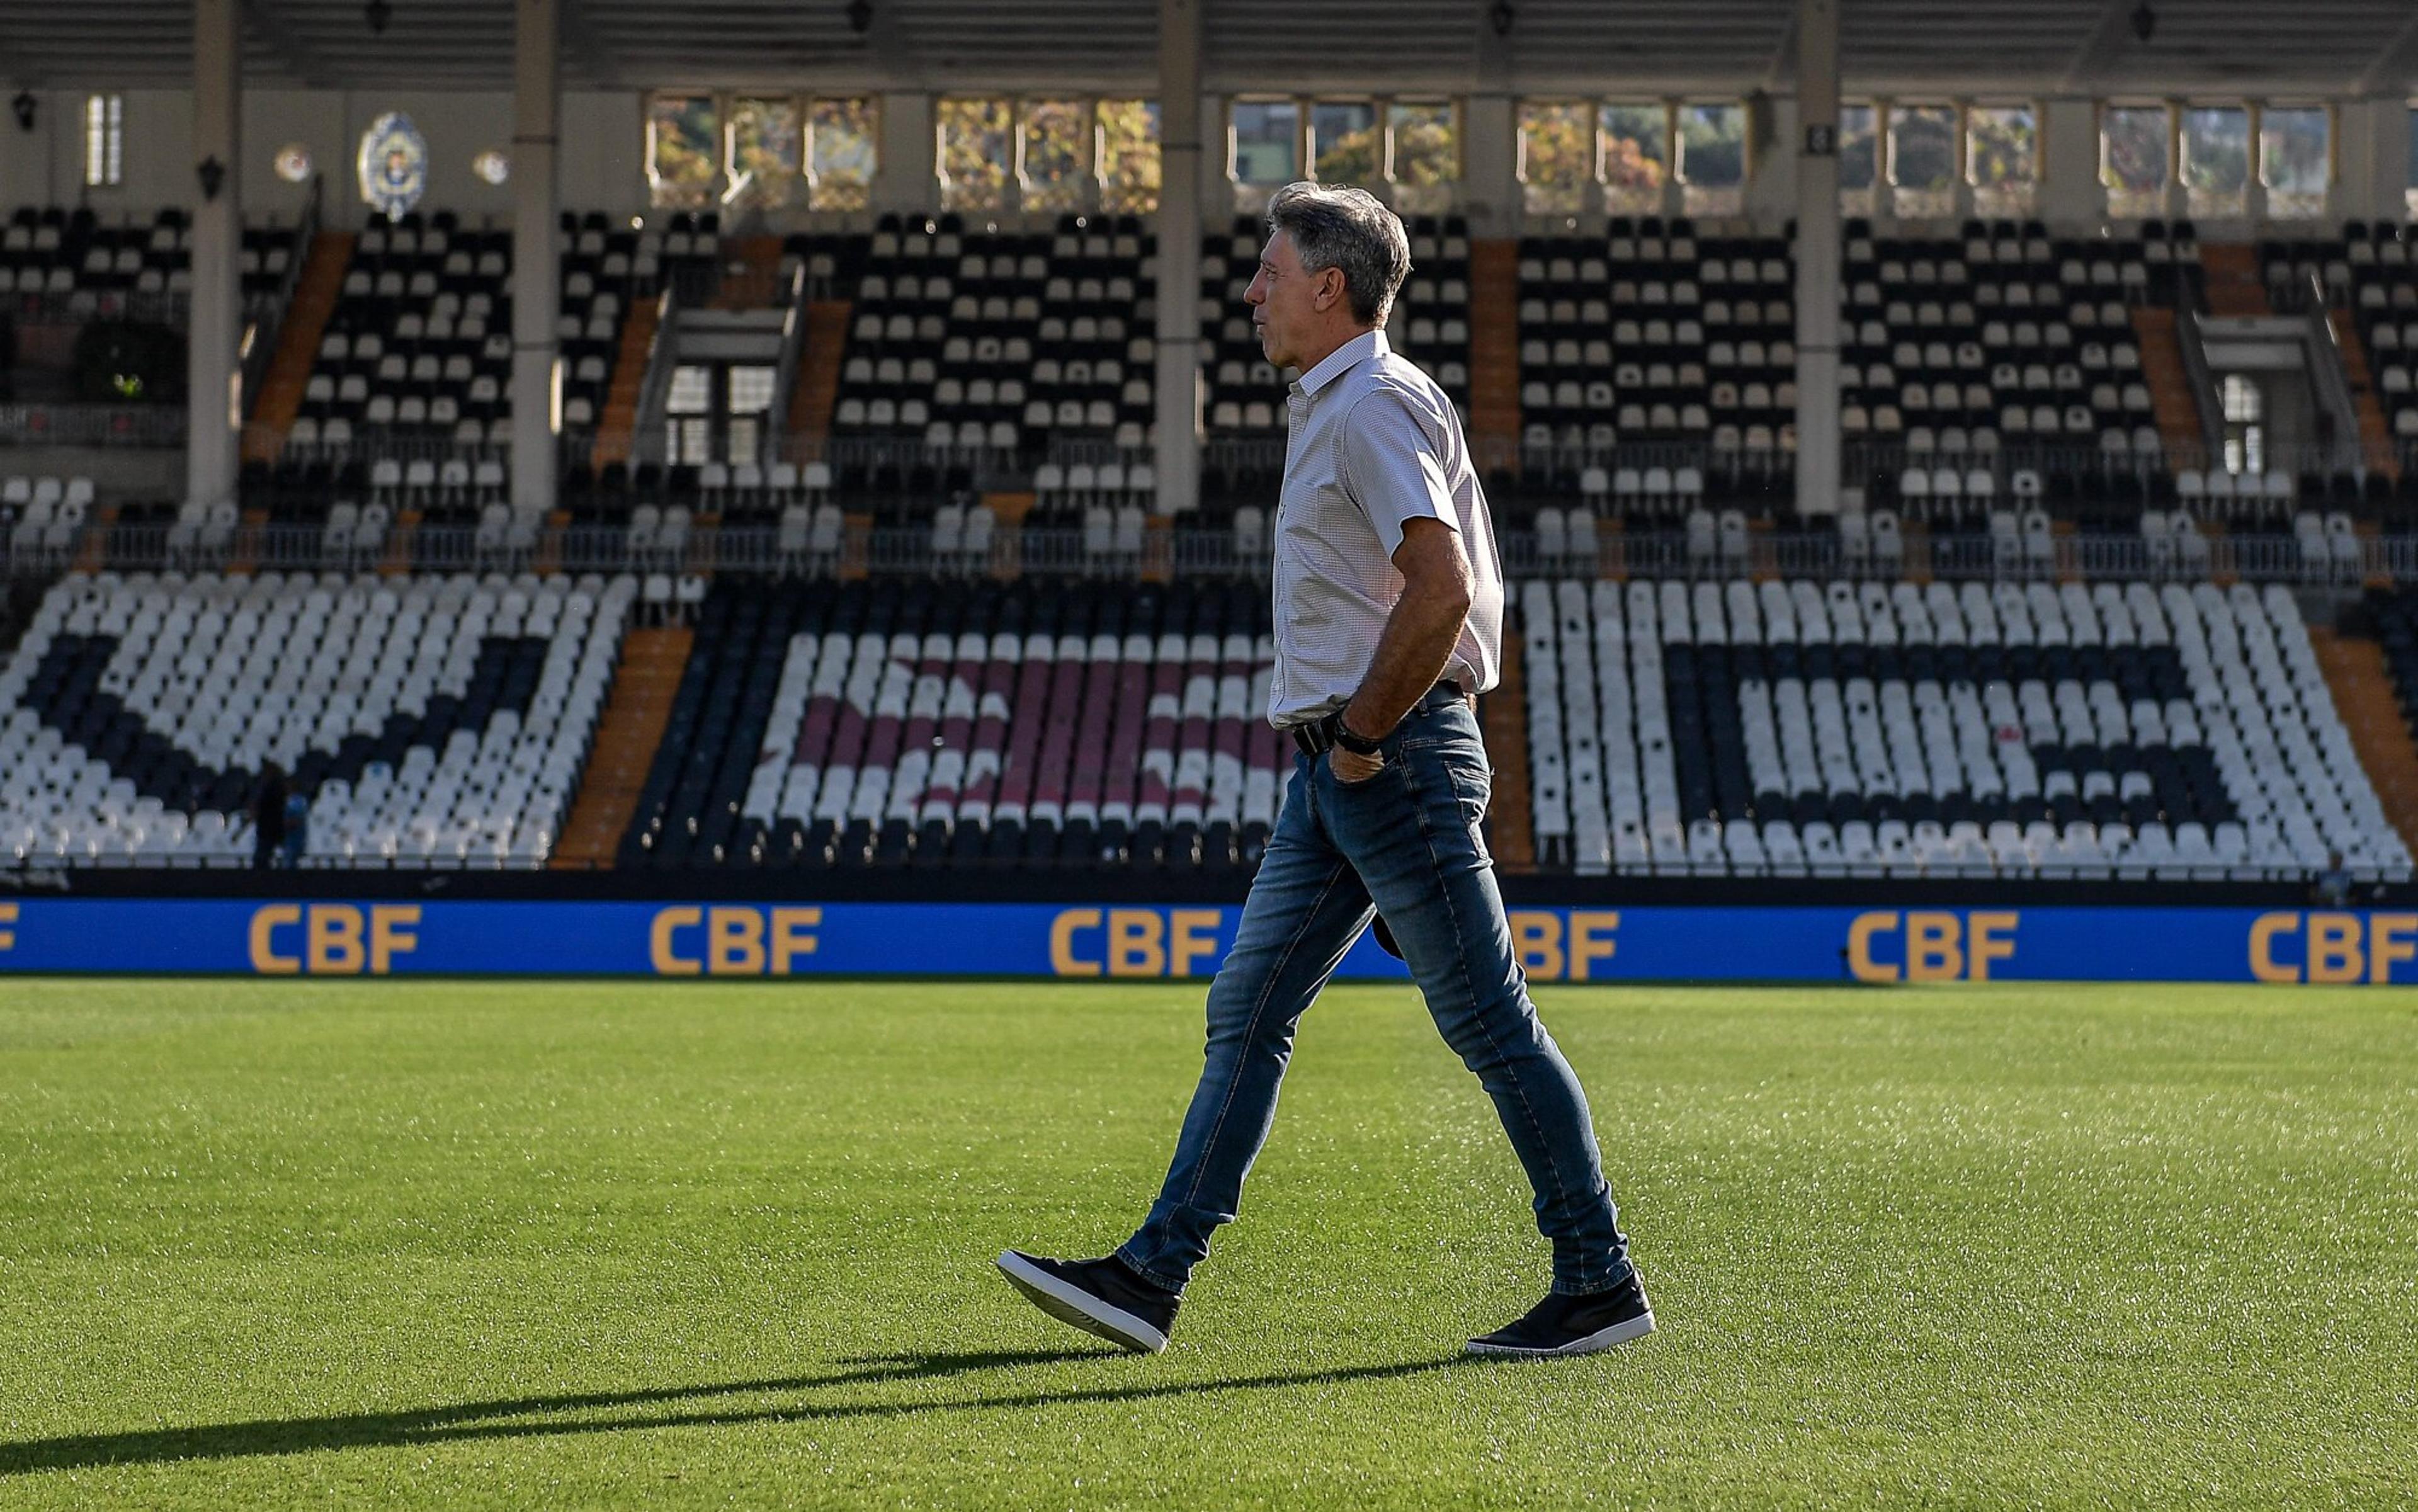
{"x": 1372, "y": 443}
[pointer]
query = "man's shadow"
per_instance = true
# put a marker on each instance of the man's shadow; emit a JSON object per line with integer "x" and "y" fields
{"x": 462, "y": 1421}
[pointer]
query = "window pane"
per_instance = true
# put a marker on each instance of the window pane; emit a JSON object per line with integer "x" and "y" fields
{"x": 842, "y": 158}
{"x": 1713, "y": 159}
{"x": 764, "y": 152}
{"x": 2132, "y": 159}
{"x": 1128, "y": 149}
{"x": 1266, "y": 146}
{"x": 1556, "y": 162}
{"x": 1130, "y": 155}
{"x": 1057, "y": 134}
{"x": 1859, "y": 159}
{"x": 751, "y": 388}
{"x": 1426, "y": 156}
{"x": 1343, "y": 142}
{"x": 2003, "y": 157}
{"x": 692, "y": 390}
{"x": 2216, "y": 159}
{"x": 2292, "y": 160}
{"x": 977, "y": 154}
{"x": 1923, "y": 159}
{"x": 1636, "y": 155}
{"x": 684, "y": 143}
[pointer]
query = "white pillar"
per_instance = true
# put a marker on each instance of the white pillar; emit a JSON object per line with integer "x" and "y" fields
{"x": 1177, "y": 449}
{"x": 537, "y": 111}
{"x": 1818, "y": 257}
{"x": 904, "y": 176}
{"x": 213, "y": 370}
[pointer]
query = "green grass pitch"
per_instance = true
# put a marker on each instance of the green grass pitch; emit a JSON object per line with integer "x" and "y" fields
{"x": 480, "y": 1244}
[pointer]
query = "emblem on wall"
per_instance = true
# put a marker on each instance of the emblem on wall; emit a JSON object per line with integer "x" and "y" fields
{"x": 393, "y": 165}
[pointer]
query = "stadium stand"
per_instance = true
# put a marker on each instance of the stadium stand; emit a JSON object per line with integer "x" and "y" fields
{"x": 926, "y": 726}
{"x": 1870, "y": 729}
{"x": 432, "y": 720}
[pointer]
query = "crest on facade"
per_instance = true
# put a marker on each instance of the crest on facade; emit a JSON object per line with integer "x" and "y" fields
{"x": 393, "y": 165}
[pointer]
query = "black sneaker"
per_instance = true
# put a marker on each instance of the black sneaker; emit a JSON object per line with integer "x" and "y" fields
{"x": 1098, "y": 1296}
{"x": 1574, "y": 1326}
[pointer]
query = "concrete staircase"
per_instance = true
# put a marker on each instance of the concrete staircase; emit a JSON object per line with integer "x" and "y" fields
{"x": 2375, "y": 434}
{"x": 2169, "y": 383}
{"x": 1495, "y": 353}
{"x": 316, "y": 294}
{"x": 2370, "y": 707}
{"x": 2235, "y": 286}
{"x": 1503, "y": 717}
{"x": 616, "y": 428}
{"x": 813, "y": 390}
{"x": 644, "y": 685}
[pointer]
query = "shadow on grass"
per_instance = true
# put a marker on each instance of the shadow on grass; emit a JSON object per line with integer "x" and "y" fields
{"x": 488, "y": 1420}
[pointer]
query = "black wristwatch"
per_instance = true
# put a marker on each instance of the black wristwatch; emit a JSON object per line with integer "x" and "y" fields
{"x": 1357, "y": 744}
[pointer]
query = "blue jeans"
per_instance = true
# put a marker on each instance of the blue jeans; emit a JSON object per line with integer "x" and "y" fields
{"x": 1406, "y": 841}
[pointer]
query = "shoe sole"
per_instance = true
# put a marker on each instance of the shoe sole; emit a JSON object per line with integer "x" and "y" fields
{"x": 1594, "y": 1343}
{"x": 1071, "y": 1304}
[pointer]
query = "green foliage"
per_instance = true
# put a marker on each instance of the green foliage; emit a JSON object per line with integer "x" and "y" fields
{"x": 479, "y": 1244}
{"x": 685, "y": 145}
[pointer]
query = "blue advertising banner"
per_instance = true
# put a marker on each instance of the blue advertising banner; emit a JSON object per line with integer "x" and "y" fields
{"x": 1047, "y": 940}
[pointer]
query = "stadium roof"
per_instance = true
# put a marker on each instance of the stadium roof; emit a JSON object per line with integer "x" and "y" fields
{"x": 2265, "y": 48}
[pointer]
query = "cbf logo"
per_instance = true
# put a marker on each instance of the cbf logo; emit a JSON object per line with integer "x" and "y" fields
{"x": 393, "y": 165}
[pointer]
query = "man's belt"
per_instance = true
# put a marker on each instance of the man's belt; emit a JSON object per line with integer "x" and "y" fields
{"x": 1316, "y": 736}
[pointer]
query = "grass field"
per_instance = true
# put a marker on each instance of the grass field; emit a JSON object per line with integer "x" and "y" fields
{"x": 496, "y": 1245}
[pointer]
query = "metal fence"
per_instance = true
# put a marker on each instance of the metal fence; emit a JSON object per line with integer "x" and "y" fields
{"x": 895, "y": 553}
{"x": 125, "y": 426}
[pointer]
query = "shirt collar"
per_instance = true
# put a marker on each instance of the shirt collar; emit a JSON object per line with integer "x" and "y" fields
{"x": 1359, "y": 349}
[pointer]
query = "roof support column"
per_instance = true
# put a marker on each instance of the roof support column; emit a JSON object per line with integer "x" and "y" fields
{"x": 1818, "y": 257}
{"x": 213, "y": 359}
{"x": 1177, "y": 445}
{"x": 537, "y": 112}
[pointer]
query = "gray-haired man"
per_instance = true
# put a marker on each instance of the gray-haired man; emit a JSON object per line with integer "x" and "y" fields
{"x": 1389, "y": 621}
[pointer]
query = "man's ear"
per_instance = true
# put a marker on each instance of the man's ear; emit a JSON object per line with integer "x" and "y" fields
{"x": 1331, "y": 289}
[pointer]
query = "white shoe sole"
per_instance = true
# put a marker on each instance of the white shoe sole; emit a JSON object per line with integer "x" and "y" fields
{"x": 1594, "y": 1343}
{"x": 1072, "y": 1305}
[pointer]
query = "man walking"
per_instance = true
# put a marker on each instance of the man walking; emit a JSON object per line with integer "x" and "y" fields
{"x": 1388, "y": 623}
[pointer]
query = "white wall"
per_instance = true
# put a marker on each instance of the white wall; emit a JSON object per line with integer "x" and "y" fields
{"x": 602, "y": 144}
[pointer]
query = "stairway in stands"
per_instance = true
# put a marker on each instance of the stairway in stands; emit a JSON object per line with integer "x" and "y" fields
{"x": 2370, "y": 707}
{"x": 652, "y": 662}
{"x": 1503, "y": 717}
{"x": 2375, "y": 434}
{"x": 815, "y": 390}
{"x": 2169, "y": 384}
{"x": 618, "y": 426}
{"x": 1495, "y": 353}
{"x": 2235, "y": 286}
{"x": 298, "y": 345}
{"x": 751, "y": 273}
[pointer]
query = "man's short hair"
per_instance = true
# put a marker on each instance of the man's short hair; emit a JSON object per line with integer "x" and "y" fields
{"x": 1350, "y": 229}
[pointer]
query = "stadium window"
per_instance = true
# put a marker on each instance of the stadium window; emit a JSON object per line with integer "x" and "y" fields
{"x": 1860, "y": 157}
{"x": 1263, "y": 148}
{"x": 1555, "y": 160}
{"x": 2002, "y": 158}
{"x": 683, "y": 146}
{"x": 689, "y": 437}
{"x": 1712, "y": 167}
{"x": 2245, "y": 431}
{"x": 2216, "y": 160}
{"x": 2410, "y": 190}
{"x": 1345, "y": 146}
{"x": 749, "y": 396}
{"x": 2295, "y": 159}
{"x": 1054, "y": 140}
{"x": 841, "y": 154}
{"x": 1422, "y": 155}
{"x": 104, "y": 141}
{"x": 977, "y": 153}
{"x": 1127, "y": 154}
{"x": 1634, "y": 148}
{"x": 2133, "y": 144}
{"x": 1922, "y": 160}
{"x": 761, "y": 153}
